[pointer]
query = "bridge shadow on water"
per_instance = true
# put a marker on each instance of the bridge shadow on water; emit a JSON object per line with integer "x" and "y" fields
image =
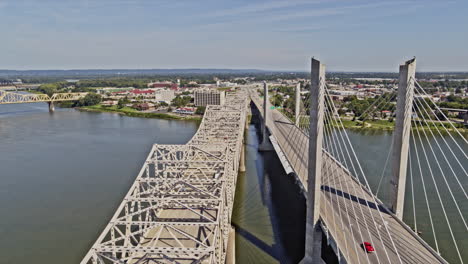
{"x": 269, "y": 209}
{"x": 353, "y": 198}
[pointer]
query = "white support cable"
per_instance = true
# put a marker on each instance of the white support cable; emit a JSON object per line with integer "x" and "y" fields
{"x": 412, "y": 191}
{"x": 425, "y": 194}
{"x": 417, "y": 107}
{"x": 338, "y": 204}
{"x": 334, "y": 148}
{"x": 438, "y": 109}
{"x": 345, "y": 163}
{"x": 441, "y": 170}
{"x": 385, "y": 167}
{"x": 335, "y": 153}
{"x": 366, "y": 183}
{"x": 362, "y": 192}
{"x": 438, "y": 194}
{"x": 443, "y": 138}
{"x": 380, "y": 103}
{"x": 368, "y": 108}
{"x": 338, "y": 127}
{"x": 328, "y": 174}
{"x": 305, "y": 121}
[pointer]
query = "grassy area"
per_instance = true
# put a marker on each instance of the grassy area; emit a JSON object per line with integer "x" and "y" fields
{"x": 368, "y": 124}
{"x": 35, "y": 92}
{"x": 127, "y": 111}
{"x": 388, "y": 125}
{"x": 224, "y": 88}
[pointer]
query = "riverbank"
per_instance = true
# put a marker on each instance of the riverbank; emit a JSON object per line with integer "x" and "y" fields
{"x": 384, "y": 125}
{"x": 388, "y": 125}
{"x": 127, "y": 111}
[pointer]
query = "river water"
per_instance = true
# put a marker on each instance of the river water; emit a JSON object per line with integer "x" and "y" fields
{"x": 373, "y": 148}
{"x": 62, "y": 175}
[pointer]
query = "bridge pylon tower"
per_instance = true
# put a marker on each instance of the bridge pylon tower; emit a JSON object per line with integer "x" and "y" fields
{"x": 401, "y": 136}
{"x": 317, "y": 104}
{"x": 265, "y": 145}
{"x": 297, "y": 106}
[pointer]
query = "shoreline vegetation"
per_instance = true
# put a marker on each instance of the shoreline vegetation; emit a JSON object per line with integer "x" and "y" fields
{"x": 367, "y": 125}
{"x": 127, "y": 111}
{"x": 388, "y": 125}
{"x": 385, "y": 125}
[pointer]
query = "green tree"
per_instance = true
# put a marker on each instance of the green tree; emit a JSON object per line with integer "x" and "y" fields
{"x": 277, "y": 100}
{"x": 49, "y": 88}
{"x": 200, "y": 110}
{"x": 89, "y": 99}
{"x": 180, "y": 101}
{"x": 122, "y": 102}
{"x": 290, "y": 104}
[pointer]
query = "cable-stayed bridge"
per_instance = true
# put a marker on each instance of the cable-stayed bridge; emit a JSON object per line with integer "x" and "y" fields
{"x": 314, "y": 144}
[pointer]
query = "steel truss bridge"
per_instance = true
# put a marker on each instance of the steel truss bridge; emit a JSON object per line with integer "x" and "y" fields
{"x": 179, "y": 208}
{"x": 19, "y": 98}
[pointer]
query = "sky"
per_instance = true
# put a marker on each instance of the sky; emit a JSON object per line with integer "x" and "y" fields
{"x": 346, "y": 35}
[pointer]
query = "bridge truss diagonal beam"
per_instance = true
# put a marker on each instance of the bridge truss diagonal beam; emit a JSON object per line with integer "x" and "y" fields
{"x": 179, "y": 208}
{"x": 18, "y": 98}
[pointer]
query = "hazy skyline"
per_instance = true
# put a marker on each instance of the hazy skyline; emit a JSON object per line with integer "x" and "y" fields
{"x": 270, "y": 35}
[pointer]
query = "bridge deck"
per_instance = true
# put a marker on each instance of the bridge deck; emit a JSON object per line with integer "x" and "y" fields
{"x": 179, "y": 208}
{"x": 357, "y": 222}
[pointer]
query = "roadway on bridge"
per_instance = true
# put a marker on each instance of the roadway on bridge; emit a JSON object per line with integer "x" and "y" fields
{"x": 358, "y": 220}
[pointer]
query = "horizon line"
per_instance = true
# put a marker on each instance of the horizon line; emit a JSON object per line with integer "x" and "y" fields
{"x": 224, "y": 69}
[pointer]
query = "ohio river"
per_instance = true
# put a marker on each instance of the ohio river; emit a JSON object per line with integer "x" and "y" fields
{"x": 62, "y": 176}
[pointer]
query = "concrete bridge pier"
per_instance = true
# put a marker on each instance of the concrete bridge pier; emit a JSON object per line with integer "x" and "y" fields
{"x": 314, "y": 179}
{"x": 51, "y": 107}
{"x": 242, "y": 159}
{"x": 401, "y": 136}
{"x": 265, "y": 145}
{"x": 231, "y": 247}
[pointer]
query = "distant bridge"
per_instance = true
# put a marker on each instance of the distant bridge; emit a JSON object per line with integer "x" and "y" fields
{"x": 20, "y": 98}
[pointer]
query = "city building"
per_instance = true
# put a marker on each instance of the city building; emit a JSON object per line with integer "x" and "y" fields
{"x": 172, "y": 86}
{"x": 209, "y": 97}
{"x": 138, "y": 92}
{"x": 164, "y": 95}
{"x": 225, "y": 84}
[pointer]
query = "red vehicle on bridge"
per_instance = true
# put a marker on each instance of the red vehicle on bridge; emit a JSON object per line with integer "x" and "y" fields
{"x": 368, "y": 247}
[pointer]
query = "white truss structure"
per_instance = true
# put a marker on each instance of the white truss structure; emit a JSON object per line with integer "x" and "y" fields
{"x": 19, "y": 98}
{"x": 179, "y": 208}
